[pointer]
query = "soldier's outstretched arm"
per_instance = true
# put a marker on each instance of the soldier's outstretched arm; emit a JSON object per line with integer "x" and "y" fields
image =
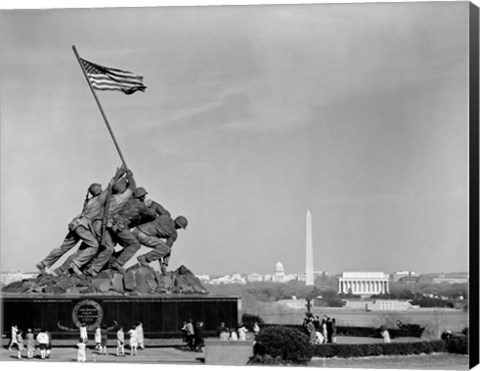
{"x": 131, "y": 181}
{"x": 159, "y": 209}
{"x": 118, "y": 175}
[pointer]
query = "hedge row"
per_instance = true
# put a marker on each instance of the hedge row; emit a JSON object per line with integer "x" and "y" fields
{"x": 378, "y": 349}
{"x": 457, "y": 344}
{"x": 371, "y": 332}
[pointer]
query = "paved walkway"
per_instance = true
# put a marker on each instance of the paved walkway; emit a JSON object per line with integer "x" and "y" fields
{"x": 172, "y": 355}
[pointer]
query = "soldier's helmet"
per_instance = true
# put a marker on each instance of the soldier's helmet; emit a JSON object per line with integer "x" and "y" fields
{"x": 119, "y": 187}
{"x": 95, "y": 189}
{"x": 139, "y": 192}
{"x": 181, "y": 221}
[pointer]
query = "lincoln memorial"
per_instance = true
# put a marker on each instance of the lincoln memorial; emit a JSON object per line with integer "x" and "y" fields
{"x": 363, "y": 283}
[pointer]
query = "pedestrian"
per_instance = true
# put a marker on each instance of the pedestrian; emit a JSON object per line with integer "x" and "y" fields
{"x": 98, "y": 338}
{"x": 81, "y": 350}
{"x": 385, "y": 334}
{"x": 120, "y": 342}
{"x": 30, "y": 341}
{"x": 221, "y": 328}
{"x": 83, "y": 332}
{"x": 13, "y": 336}
{"x": 316, "y": 323}
{"x": 233, "y": 335}
{"x": 184, "y": 333}
{"x": 43, "y": 341}
{"x": 329, "y": 330}
{"x": 20, "y": 343}
{"x": 256, "y": 329}
{"x": 49, "y": 345}
{"x": 319, "y": 337}
{"x": 312, "y": 334}
{"x": 199, "y": 341}
{"x": 225, "y": 334}
{"x": 190, "y": 334}
{"x": 334, "y": 331}
{"x": 133, "y": 341}
{"x": 140, "y": 337}
{"x": 324, "y": 329}
{"x": 242, "y": 332}
{"x": 104, "y": 339}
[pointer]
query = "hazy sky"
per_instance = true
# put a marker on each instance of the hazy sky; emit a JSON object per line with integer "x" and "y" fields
{"x": 252, "y": 116}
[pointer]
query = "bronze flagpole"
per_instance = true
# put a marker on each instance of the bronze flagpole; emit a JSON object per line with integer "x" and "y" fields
{"x": 107, "y": 203}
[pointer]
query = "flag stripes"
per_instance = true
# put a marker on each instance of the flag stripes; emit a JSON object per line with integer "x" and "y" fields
{"x": 106, "y": 78}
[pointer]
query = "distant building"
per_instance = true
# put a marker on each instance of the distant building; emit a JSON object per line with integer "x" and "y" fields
{"x": 203, "y": 277}
{"x": 279, "y": 274}
{"x": 409, "y": 279}
{"x": 254, "y": 277}
{"x": 400, "y": 276}
{"x": 267, "y": 277}
{"x": 379, "y": 305}
{"x": 450, "y": 279}
{"x": 234, "y": 278}
{"x": 363, "y": 283}
{"x": 9, "y": 277}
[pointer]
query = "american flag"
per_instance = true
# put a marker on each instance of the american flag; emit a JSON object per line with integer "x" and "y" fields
{"x": 106, "y": 78}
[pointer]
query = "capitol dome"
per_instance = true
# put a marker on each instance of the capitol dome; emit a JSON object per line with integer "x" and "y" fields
{"x": 279, "y": 268}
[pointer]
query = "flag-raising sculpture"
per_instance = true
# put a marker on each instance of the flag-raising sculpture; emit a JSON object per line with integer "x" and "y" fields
{"x": 119, "y": 214}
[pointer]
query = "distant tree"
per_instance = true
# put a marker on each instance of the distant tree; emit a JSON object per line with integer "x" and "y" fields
{"x": 425, "y": 302}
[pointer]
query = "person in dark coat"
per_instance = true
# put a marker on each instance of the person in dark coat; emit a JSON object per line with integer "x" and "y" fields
{"x": 329, "y": 330}
{"x": 199, "y": 338}
{"x": 104, "y": 340}
{"x": 316, "y": 323}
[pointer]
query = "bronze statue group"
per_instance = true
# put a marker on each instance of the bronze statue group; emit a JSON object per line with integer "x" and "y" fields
{"x": 118, "y": 215}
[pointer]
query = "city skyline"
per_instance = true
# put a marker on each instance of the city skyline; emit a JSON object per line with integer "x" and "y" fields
{"x": 248, "y": 121}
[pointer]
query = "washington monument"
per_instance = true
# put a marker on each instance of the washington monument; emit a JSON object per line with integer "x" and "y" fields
{"x": 309, "y": 252}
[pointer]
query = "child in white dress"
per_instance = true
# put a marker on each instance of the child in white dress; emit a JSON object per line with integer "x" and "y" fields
{"x": 20, "y": 343}
{"x": 133, "y": 342}
{"x": 120, "y": 342}
{"x": 81, "y": 352}
{"x": 98, "y": 338}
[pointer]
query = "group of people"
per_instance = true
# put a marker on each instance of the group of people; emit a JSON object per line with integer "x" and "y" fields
{"x": 193, "y": 335}
{"x": 30, "y": 342}
{"x": 136, "y": 340}
{"x": 225, "y": 333}
{"x": 121, "y": 215}
{"x": 320, "y": 331}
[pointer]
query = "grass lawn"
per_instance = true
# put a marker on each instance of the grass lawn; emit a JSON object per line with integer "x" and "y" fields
{"x": 436, "y": 361}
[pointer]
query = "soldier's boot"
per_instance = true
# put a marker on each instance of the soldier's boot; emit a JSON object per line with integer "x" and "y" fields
{"x": 116, "y": 267}
{"x": 41, "y": 267}
{"x": 163, "y": 268}
{"x": 59, "y": 271}
{"x": 142, "y": 260}
{"x": 75, "y": 269}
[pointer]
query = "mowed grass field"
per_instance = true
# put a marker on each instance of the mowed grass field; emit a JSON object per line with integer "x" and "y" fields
{"x": 438, "y": 361}
{"x": 437, "y": 319}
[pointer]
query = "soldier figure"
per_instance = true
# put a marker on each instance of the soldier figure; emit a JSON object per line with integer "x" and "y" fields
{"x": 152, "y": 234}
{"x": 133, "y": 213}
{"x": 80, "y": 229}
